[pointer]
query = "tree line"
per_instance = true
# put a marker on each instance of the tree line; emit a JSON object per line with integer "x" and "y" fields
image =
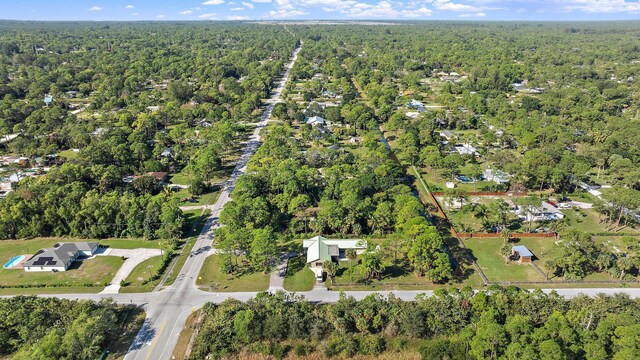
{"x": 504, "y": 323}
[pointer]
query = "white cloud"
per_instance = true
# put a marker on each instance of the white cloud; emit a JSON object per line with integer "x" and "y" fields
{"x": 600, "y": 6}
{"x": 446, "y": 5}
{"x": 160, "y": 16}
{"x": 284, "y": 13}
{"x": 213, "y": 2}
{"x": 379, "y": 10}
{"x": 208, "y": 16}
{"x": 248, "y": 5}
{"x": 237, "y": 17}
{"x": 95, "y": 8}
{"x": 478, "y": 14}
{"x": 186, "y": 12}
{"x": 423, "y": 11}
{"x": 129, "y": 7}
{"x": 261, "y": 1}
{"x": 135, "y": 14}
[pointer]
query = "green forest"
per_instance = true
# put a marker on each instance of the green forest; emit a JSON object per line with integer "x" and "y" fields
{"x": 503, "y": 323}
{"x": 128, "y": 100}
{"x": 49, "y": 328}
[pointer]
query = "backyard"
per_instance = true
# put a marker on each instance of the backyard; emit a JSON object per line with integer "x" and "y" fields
{"x": 487, "y": 254}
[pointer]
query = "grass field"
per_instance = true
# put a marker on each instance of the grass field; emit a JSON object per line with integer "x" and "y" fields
{"x": 140, "y": 273}
{"x": 211, "y": 279}
{"x": 206, "y": 198}
{"x": 299, "y": 277}
{"x": 488, "y": 257}
{"x": 586, "y": 220}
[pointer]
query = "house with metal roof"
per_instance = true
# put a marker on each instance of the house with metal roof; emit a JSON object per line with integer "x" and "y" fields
{"x": 315, "y": 120}
{"x": 60, "y": 256}
{"x": 320, "y": 249}
{"x": 525, "y": 256}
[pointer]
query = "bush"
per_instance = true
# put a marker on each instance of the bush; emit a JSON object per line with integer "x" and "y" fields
{"x": 371, "y": 345}
{"x": 442, "y": 349}
{"x": 302, "y": 349}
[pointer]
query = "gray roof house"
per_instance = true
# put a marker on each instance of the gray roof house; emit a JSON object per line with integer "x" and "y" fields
{"x": 60, "y": 256}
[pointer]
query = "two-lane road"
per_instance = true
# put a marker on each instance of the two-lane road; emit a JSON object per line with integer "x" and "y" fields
{"x": 167, "y": 310}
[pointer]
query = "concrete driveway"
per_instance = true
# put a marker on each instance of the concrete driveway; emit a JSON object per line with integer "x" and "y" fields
{"x": 134, "y": 257}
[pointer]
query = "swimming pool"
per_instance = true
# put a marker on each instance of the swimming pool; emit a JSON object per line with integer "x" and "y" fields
{"x": 464, "y": 179}
{"x": 13, "y": 261}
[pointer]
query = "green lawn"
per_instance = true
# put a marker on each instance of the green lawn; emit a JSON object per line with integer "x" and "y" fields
{"x": 206, "y": 198}
{"x": 299, "y": 277}
{"x": 69, "y": 154}
{"x": 97, "y": 271}
{"x": 488, "y": 257}
{"x": 211, "y": 279}
{"x": 586, "y": 220}
{"x": 140, "y": 273}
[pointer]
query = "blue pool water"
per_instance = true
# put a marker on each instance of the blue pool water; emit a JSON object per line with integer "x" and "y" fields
{"x": 464, "y": 179}
{"x": 13, "y": 261}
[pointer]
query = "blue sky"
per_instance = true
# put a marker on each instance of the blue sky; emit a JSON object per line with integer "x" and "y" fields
{"x": 320, "y": 9}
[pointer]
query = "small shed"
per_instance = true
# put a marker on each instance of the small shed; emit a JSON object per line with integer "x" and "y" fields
{"x": 523, "y": 253}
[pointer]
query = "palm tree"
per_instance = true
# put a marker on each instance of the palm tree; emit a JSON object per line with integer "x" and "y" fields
{"x": 330, "y": 268}
{"x": 351, "y": 255}
{"x": 167, "y": 191}
{"x": 624, "y": 264}
{"x": 506, "y": 252}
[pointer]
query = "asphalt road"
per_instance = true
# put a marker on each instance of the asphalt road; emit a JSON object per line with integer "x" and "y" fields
{"x": 167, "y": 310}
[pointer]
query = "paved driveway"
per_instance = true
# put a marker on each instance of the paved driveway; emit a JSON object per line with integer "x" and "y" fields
{"x": 134, "y": 257}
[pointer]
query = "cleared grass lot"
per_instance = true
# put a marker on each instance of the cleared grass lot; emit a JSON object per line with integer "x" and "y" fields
{"x": 212, "y": 279}
{"x": 488, "y": 257}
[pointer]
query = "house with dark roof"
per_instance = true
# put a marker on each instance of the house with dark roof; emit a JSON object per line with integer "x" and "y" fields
{"x": 60, "y": 256}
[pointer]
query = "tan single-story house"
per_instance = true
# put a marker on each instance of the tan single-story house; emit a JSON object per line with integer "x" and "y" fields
{"x": 320, "y": 249}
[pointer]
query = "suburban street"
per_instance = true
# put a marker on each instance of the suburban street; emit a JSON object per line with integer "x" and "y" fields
{"x": 167, "y": 310}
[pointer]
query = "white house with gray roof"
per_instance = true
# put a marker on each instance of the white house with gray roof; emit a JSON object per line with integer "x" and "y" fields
{"x": 60, "y": 256}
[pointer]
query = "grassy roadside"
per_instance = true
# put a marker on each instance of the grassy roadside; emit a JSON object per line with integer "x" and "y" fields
{"x": 212, "y": 279}
{"x": 141, "y": 273}
{"x": 180, "y": 350}
{"x": 179, "y": 262}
